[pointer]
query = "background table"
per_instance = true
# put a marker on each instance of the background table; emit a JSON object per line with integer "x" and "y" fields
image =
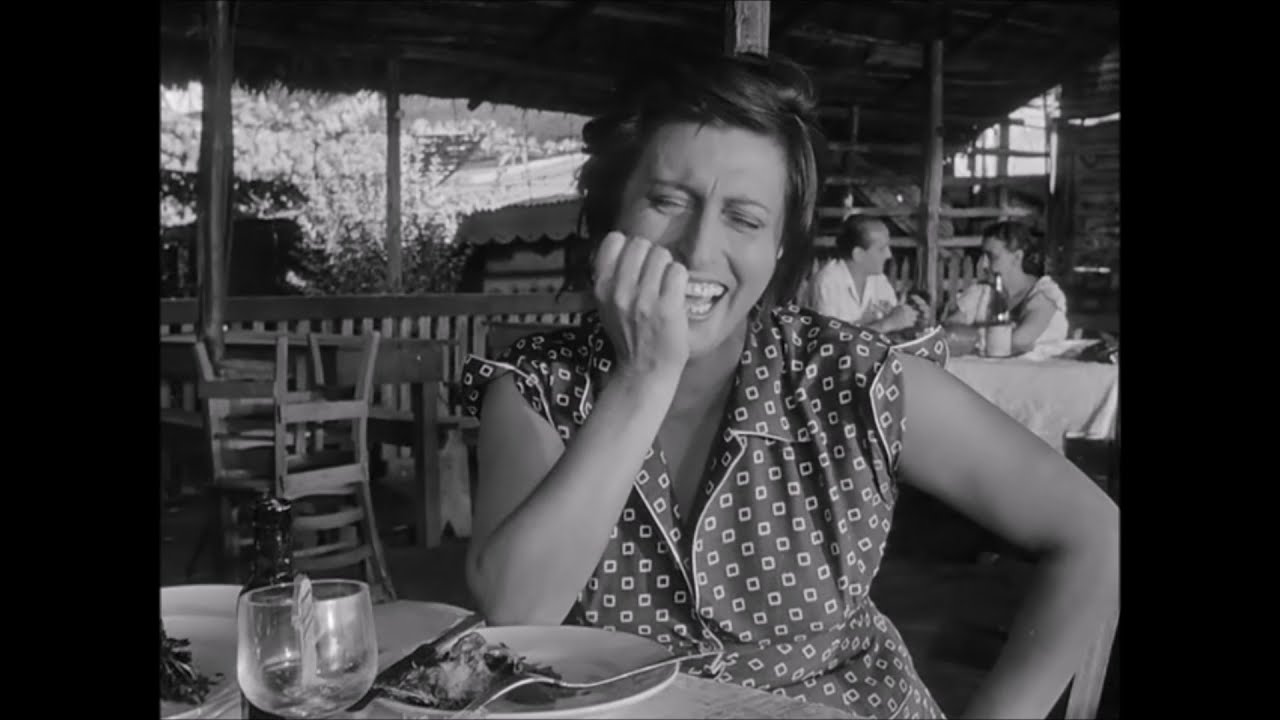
{"x": 1050, "y": 397}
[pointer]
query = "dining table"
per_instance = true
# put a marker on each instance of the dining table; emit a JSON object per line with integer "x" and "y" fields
{"x": 404, "y": 624}
{"x": 1053, "y": 397}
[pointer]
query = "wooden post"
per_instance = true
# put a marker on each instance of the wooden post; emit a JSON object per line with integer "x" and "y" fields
{"x": 393, "y": 176}
{"x": 214, "y": 177}
{"x": 932, "y": 185}
{"x": 746, "y": 27}
{"x": 1002, "y": 168}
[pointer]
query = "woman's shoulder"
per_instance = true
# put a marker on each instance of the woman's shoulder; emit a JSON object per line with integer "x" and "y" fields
{"x": 549, "y": 367}
{"x": 819, "y": 346}
{"x": 562, "y": 346}
{"x": 1049, "y": 289}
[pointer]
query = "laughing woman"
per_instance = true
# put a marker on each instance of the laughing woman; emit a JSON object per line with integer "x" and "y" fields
{"x": 704, "y": 466}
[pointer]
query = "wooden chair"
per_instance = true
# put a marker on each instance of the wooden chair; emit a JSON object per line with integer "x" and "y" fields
{"x": 307, "y": 446}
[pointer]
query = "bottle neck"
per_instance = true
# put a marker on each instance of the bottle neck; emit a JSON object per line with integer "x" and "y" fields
{"x": 272, "y": 552}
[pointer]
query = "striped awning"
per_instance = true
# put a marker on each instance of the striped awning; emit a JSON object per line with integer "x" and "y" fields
{"x": 555, "y": 218}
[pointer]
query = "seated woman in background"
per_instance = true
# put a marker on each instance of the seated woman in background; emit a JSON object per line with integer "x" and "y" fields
{"x": 853, "y": 287}
{"x": 1037, "y": 305}
{"x": 700, "y": 464}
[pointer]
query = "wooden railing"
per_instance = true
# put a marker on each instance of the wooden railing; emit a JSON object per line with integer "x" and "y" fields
{"x": 958, "y": 271}
{"x": 463, "y": 319}
{"x": 460, "y": 318}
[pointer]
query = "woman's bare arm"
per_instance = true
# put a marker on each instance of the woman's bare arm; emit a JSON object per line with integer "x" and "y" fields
{"x": 967, "y": 453}
{"x": 543, "y": 510}
{"x": 1032, "y": 326}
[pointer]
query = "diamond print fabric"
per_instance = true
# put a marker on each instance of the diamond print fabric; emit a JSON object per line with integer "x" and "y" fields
{"x": 774, "y": 561}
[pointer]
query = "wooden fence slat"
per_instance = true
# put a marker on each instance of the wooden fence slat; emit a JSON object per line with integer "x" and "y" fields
{"x": 390, "y": 392}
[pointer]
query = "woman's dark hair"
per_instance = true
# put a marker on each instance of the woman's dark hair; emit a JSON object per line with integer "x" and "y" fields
{"x": 768, "y": 95}
{"x": 856, "y": 232}
{"x": 1017, "y": 236}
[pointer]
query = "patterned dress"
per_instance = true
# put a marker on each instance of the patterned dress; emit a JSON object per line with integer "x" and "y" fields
{"x": 774, "y": 561}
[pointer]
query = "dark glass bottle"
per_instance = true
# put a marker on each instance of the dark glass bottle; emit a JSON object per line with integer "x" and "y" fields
{"x": 272, "y": 562}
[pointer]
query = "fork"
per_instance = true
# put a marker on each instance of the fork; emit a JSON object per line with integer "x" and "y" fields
{"x": 524, "y": 679}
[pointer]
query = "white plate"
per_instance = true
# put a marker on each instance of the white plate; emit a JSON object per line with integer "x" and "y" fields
{"x": 205, "y": 615}
{"x": 213, "y": 652}
{"x": 578, "y": 654}
{"x": 199, "y": 600}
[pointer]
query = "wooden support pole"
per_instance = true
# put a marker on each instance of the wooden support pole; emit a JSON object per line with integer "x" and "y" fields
{"x": 932, "y": 181}
{"x": 1002, "y": 168}
{"x": 214, "y": 174}
{"x": 855, "y": 118}
{"x": 746, "y": 27}
{"x": 393, "y": 176}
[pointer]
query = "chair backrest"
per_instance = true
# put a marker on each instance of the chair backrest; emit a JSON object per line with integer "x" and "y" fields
{"x": 334, "y": 525}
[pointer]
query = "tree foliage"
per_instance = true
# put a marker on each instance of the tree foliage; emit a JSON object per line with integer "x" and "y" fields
{"x": 322, "y": 161}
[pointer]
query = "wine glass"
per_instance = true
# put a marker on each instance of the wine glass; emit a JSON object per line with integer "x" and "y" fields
{"x": 269, "y": 649}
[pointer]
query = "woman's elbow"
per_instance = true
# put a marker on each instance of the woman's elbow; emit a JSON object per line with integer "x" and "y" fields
{"x": 498, "y": 603}
{"x": 1095, "y": 539}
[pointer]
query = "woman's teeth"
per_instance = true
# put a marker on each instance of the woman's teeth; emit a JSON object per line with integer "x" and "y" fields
{"x": 700, "y": 297}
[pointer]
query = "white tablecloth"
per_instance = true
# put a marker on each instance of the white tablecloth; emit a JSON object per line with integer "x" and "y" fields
{"x": 1050, "y": 397}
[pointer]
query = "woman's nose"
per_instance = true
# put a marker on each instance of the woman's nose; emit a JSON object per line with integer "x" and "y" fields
{"x": 698, "y": 242}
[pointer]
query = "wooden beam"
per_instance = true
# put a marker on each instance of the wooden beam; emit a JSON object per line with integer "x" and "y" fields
{"x": 907, "y": 149}
{"x": 215, "y": 173}
{"x": 797, "y": 12}
{"x": 950, "y": 213}
{"x": 909, "y": 243}
{"x": 394, "y": 268}
{"x": 338, "y": 47}
{"x": 565, "y": 21}
{"x": 931, "y": 182}
{"x": 838, "y": 38}
{"x": 913, "y": 149}
{"x": 908, "y": 116}
{"x": 746, "y": 27}
{"x": 1025, "y": 183}
{"x": 632, "y": 12}
{"x": 957, "y": 47}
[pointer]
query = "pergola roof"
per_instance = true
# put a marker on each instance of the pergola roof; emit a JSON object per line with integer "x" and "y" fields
{"x": 564, "y": 56}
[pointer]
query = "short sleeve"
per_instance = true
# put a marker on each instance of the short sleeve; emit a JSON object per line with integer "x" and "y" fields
{"x": 546, "y": 375}
{"x": 478, "y": 372}
{"x": 1046, "y": 287}
{"x": 887, "y": 396}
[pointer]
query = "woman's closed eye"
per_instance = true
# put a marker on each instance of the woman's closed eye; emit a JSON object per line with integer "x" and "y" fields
{"x": 667, "y": 203}
{"x": 745, "y": 222}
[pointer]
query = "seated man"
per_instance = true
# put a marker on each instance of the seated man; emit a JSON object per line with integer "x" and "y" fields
{"x": 854, "y": 288}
